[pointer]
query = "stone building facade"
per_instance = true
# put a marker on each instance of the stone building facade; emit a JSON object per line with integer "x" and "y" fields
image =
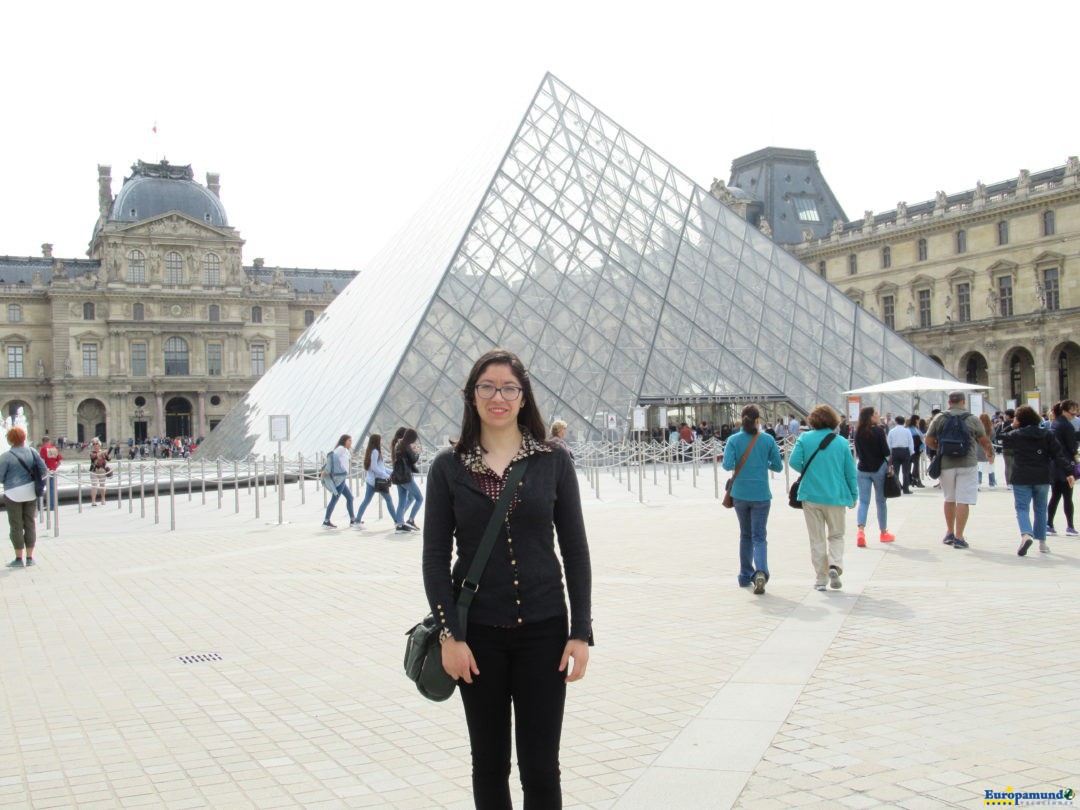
{"x": 986, "y": 281}
{"x": 162, "y": 330}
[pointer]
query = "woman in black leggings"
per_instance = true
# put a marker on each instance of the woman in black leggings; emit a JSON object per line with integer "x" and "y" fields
{"x": 1060, "y": 491}
{"x": 521, "y": 645}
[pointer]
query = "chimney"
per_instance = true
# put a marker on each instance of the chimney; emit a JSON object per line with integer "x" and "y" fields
{"x": 46, "y": 250}
{"x": 104, "y": 190}
{"x": 213, "y": 182}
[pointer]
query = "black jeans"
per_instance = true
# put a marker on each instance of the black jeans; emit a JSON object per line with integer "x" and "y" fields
{"x": 1060, "y": 491}
{"x": 518, "y": 666}
{"x": 901, "y": 462}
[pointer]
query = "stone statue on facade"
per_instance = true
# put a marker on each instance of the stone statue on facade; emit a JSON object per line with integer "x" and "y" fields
{"x": 67, "y": 367}
{"x": 948, "y": 308}
{"x": 41, "y": 369}
{"x": 1023, "y": 181}
{"x": 911, "y": 315}
{"x": 720, "y": 191}
{"x": 808, "y": 235}
{"x": 992, "y": 303}
{"x": 941, "y": 201}
{"x": 868, "y": 219}
{"x": 901, "y": 210}
{"x": 58, "y": 270}
{"x": 837, "y": 227}
{"x": 765, "y": 228}
{"x": 1072, "y": 167}
{"x": 980, "y": 192}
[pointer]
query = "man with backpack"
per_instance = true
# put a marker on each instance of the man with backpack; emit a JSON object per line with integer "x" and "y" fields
{"x": 953, "y": 435}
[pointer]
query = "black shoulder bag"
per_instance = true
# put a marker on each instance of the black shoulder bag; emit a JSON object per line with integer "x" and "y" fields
{"x": 793, "y": 494}
{"x": 423, "y": 655}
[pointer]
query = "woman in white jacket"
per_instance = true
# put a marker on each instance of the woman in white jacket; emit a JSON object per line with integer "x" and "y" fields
{"x": 376, "y": 470}
{"x": 340, "y": 461}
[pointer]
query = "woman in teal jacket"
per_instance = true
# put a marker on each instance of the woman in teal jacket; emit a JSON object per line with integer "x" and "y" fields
{"x": 752, "y": 496}
{"x": 828, "y": 487}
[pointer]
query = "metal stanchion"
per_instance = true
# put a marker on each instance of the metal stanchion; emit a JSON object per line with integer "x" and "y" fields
{"x": 56, "y": 506}
{"x": 281, "y": 490}
{"x": 78, "y": 480}
{"x": 157, "y": 505}
{"x": 716, "y": 477}
{"x": 142, "y": 490}
{"x": 257, "y": 498}
{"x": 131, "y": 489}
{"x": 264, "y": 475}
{"x": 236, "y": 485}
{"x": 694, "y": 461}
{"x": 202, "y": 477}
{"x": 172, "y": 500}
{"x": 300, "y": 476}
{"x": 189, "y": 478}
{"x": 641, "y": 474}
{"x": 669, "y": 464}
{"x": 219, "y": 476}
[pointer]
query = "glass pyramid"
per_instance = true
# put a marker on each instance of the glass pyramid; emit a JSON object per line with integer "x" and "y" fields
{"x": 613, "y": 276}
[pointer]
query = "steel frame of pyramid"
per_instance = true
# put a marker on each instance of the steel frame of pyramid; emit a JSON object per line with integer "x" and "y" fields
{"x": 610, "y": 273}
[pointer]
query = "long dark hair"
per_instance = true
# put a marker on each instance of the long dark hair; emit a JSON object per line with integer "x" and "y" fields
{"x": 408, "y": 438}
{"x": 865, "y": 425}
{"x": 374, "y": 442}
{"x": 394, "y": 442}
{"x": 750, "y": 415}
{"x": 529, "y": 418}
{"x": 341, "y": 442}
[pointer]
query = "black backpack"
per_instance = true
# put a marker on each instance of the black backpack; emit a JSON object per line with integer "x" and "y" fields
{"x": 35, "y": 472}
{"x": 954, "y": 438}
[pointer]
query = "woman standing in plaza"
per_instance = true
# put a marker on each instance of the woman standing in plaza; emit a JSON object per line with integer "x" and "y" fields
{"x": 1038, "y": 460}
{"x": 1060, "y": 491}
{"x": 376, "y": 469}
{"x": 99, "y": 471}
{"x": 340, "y": 463}
{"x": 20, "y": 496}
{"x": 872, "y": 449}
{"x": 406, "y": 458}
{"x": 829, "y": 485}
{"x": 754, "y": 453}
{"x": 521, "y": 646}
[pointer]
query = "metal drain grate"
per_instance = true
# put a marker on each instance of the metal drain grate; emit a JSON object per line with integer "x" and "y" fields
{"x": 199, "y": 658}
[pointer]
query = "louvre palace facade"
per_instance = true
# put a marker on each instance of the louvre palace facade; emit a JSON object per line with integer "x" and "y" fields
{"x": 986, "y": 281}
{"x": 162, "y": 330}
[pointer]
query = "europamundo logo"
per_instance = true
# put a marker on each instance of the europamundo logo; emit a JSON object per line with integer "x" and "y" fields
{"x": 1061, "y": 798}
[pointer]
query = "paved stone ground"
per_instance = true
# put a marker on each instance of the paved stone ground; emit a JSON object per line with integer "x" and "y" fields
{"x": 934, "y": 675}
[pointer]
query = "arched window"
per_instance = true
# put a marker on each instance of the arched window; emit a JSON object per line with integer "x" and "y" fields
{"x": 215, "y": 313}
{"x": 309, "y": 317}
{"x": 138, "y": 313}
{"x": 136, "y": 267}
{"x": 174, "y": 268}
{"x": 212, "y": 270}
{"x": 886, "y": 257}
{"x": 256, "y": 314}
{"x": 1048, "y": 223}
{"x": 1003, "y": 232}
{"x": 852, "y": 264}
{"x": 923, "y": 253}
{"x": 971, "y": 370}
{"x": 176, "y": 357}
{"x": 961, "y": 241}
{"x": 14, "y": 313}
{"x": 88, "y": 312}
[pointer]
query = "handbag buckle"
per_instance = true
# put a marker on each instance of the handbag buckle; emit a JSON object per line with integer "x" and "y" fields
{"x": 470, "y": 586}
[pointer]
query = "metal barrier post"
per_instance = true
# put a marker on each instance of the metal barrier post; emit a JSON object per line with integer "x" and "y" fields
{"x": 641, "y": 473}
{"x": 56, "y": 506}
{"x": 264, "y": 475}
{"x": 300, "y": 475}
{"x": 157, "y": 506}
{"x": 142, "y": 490}
{"x": 281, "y": 490}
{"x": 189, "y": 478}
{"x": 172, "y": 500}
{"x": 202, "y": 477}
{"x": 78, "y": 482}
{"x": 219, "y": 477}
{"x": 236, "y": 485}
{"x": 669, "y": 464}
{"x": 257, "y": 498}
{"x": 716, "y": 477}
{"x": 119, "y": 483}
{"x": 131, "y": 489}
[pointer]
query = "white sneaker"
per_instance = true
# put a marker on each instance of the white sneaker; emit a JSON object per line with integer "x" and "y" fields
{"x": 1045, "y": 549}
{"x": 834, "y": 579}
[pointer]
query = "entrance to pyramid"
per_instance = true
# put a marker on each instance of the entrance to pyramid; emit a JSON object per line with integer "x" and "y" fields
{"x": 721, "y": 414}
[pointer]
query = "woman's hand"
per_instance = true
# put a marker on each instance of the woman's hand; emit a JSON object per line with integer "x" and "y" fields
{"x": 458, "y": 661}
{"x": 579, "y": 651}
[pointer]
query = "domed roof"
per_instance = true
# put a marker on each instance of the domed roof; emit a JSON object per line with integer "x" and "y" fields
{"x": 157, "y": 188}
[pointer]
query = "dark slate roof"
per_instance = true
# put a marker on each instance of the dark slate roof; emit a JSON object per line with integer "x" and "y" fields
{"x": 776, "y": 176}
{"x": 21, "y": 269}
{"x": 157, "y": 188}
{"x": 305, "y": 280}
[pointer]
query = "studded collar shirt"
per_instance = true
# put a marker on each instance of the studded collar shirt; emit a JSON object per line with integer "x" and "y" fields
{"x": 523, "y": 580}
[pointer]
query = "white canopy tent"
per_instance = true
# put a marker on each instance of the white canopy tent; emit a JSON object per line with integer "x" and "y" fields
{"x": 917, "y": 386}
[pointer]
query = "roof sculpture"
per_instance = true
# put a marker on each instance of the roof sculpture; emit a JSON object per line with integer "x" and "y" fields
{"x": 615, "y": 278}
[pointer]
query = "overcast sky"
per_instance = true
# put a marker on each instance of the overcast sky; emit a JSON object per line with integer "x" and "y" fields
{"x": 330, "y": 122}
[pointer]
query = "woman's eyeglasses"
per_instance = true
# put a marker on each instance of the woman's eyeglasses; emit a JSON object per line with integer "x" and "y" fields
{"x": 488, "y": 390}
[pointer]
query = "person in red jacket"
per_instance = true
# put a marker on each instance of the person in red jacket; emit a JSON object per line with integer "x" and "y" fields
{"x": 50, "y": 454}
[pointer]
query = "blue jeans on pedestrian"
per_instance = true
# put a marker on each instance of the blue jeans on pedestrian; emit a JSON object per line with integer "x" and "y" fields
{"x": 877, "y": 480}
{"x": 371, "y": 491}
{"x": 1026, "y": 496}
{"x": 408, "y": 495}
{"x": 753, "y": 547}
{"x": 341, "y": 490}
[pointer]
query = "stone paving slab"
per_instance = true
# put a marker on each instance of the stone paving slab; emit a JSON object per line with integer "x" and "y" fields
{"x": 933, "y": 675}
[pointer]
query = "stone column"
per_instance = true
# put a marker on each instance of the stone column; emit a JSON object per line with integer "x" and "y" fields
{"x": 200, "y": 428}
{"x": 159, "y": 414}
{"x": 1041, "y": 373}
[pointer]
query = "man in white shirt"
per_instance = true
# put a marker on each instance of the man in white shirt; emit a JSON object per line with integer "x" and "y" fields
{"x": 901, "y": 449}
{"x": 793, "y": 428}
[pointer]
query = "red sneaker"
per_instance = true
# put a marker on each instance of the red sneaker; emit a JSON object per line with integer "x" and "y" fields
{"x": 860, "y": 539}
{"x": 887, "y": 537}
